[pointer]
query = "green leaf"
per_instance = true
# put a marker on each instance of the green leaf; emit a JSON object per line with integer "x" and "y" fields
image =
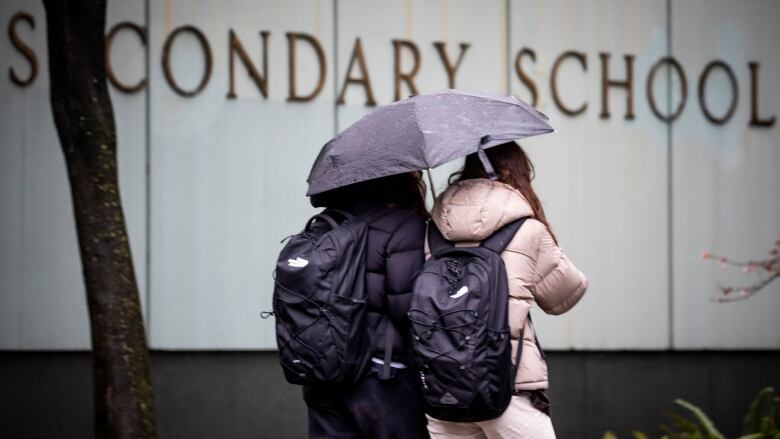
{"x": 609, "y": 435}
{"x": 680, "y": 424}
{"x": 752, "y": 423}
{"x": 776, "y": 410}
{"x": 638, "y": 435}
{"x": 710, "y": 432}
{"x": 768, "y": 425}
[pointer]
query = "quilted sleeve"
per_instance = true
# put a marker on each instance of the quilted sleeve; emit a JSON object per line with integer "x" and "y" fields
{"x": 559, "y": 285}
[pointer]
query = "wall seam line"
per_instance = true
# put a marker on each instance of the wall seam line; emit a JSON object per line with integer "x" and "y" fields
{"x": 23, "y": 217}
{"x": 335, "y": 67}
{"x": 147, "y": 179}
{"x": 670, "y": 181}
{"x": 507, "y": 10}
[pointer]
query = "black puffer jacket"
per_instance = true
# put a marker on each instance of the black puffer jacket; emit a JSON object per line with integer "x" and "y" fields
{"x": 395, "y": 252}
{"x": 393, "y": 260}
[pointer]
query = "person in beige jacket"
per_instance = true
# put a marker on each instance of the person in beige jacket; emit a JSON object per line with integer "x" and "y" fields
{"x": 470, "y": 210}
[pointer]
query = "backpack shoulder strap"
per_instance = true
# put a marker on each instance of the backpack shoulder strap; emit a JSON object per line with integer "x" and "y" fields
{"x": 334, "y": 217}
{"x": 536, "y": 335}
{"x": 437, "y": 243}
{"x": 388, "y": 357}
{"x": 323, "y": 216}
{"x": 498, "y": 241}
{"x": 346, "y": 215}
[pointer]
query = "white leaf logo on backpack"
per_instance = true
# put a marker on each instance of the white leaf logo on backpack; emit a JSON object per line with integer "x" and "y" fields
{"x": 463, "y": 290}
{"x": 298, "y": 262}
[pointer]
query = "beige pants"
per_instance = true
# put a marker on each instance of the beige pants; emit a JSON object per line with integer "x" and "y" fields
{"x": 520, "y": 420}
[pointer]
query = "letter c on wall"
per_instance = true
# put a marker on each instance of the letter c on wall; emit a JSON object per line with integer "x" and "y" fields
{"x": 138, "y": 30}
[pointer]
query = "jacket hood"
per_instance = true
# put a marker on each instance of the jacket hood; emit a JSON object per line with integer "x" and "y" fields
{"x": 471, "y": 210}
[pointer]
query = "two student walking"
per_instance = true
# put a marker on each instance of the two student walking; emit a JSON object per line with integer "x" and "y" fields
{"x": 384, "y": 307}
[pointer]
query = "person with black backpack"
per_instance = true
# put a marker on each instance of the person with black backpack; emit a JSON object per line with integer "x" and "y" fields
{"x": 343, "y": 289}
{"x": 491, "y": 256}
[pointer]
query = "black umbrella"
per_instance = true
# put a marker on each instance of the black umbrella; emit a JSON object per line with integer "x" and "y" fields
{"x": 422, "y": 132}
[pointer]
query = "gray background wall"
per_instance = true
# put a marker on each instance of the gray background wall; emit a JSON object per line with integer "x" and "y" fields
{"x": 210, "y": 184}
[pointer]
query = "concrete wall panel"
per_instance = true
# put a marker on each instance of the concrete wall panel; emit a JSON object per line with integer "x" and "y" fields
{"x": 224, "y": 179}
{"x": 602, "y": 181}
{"x": 228, "y": 176}
{"x": 43, "y": 303}
{"x": 725, "y": 177}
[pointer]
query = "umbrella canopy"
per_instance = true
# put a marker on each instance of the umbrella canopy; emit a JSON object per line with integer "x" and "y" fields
{"x": 422, "y": 132}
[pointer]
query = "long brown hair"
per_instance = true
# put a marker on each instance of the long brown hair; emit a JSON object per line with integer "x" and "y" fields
{"x": 513, "y": 167}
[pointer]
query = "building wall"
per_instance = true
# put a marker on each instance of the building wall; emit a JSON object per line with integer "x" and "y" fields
{"x": 211, "y": 184}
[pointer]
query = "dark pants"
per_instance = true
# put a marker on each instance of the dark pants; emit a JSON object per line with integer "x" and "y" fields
{"x": 371, "y": 409}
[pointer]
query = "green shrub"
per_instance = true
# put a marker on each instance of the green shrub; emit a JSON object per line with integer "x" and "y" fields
{"x": 761, "y": 422}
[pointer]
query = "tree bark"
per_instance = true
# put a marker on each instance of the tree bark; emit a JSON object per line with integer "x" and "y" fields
{"x": 84, "y": 118}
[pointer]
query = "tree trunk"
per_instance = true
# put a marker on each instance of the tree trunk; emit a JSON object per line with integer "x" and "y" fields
{"x": 85, "y": 124}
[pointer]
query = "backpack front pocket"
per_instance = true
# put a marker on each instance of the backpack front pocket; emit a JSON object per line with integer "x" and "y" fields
{"x": 347, "y": 329}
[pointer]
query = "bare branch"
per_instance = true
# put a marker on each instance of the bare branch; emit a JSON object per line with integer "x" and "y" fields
{"x": 769, "y": 267}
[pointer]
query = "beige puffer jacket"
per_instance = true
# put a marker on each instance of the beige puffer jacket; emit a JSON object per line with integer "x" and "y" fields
{"x": 470, "y": 211}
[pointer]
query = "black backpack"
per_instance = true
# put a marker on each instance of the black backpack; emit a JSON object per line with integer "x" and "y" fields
{"x": 319, "y": 300}
{"x": 460, "y": 328}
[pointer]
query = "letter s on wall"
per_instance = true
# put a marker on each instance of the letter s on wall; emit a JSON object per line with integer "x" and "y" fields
{"x": 23, "y": 48}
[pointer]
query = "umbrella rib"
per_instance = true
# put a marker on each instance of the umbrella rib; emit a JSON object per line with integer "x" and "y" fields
{"x": 422, "y": 131}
